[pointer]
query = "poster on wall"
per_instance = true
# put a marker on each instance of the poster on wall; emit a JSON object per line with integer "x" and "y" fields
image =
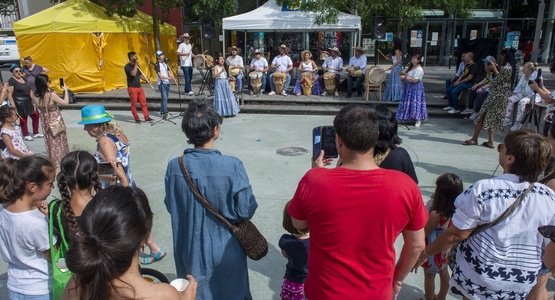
{"x": 328, "y": 40}
{"x": 416, "y": 38}
{"x": 369, "y": 47}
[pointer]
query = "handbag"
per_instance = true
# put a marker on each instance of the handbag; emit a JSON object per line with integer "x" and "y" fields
{"x": 452, "y": 254}
{"x": 252, "y": 241}
{"x": 60, "y": 276}
{"x": 56, "y": 125}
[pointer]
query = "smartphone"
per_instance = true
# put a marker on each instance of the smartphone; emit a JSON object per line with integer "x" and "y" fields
{"x": 106, "y": 173}
{"x": 324, "y": 139}
{"x": 61, "y": 82}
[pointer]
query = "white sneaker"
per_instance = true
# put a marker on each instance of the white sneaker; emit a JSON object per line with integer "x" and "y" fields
{"x": 283, "y": 93}
{"x": 251, "y": 93}
{"x": 448, "y": 108}
{"x": 507, "y": 122}
{"x": 454, "y": 111}
{"x": 271, "y": 93}
{"x": 336, "y": 94}
{"x": 324, "y": 93}
{"x": 516, "y": 127}
{"x": 467, "y": 111}
{"x": 191, "y": 93}
{"x": 29, "y": 138}
{"x": 38, "y": 135}
{"x": 417, "y": 124}
{"x": 472, "y": 117}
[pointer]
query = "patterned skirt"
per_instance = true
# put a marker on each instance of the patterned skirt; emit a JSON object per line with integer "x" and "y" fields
{"x": 224, "y": 100}
{"x": 413, "y": 103}
{"x": 316, "y": 89}
{"x": 394, "y": 88}
{"x": 292, "y": 290}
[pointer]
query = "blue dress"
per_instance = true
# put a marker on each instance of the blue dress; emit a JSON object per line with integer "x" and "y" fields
{"x": 394, "y": 88}
{"x": 122, "y": 156}
{"x": 224, "y": 100}
{"x": 203, "y": 246}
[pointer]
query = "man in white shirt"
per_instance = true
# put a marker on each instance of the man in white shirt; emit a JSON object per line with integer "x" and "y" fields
{"x": 356, "y": 63}
{"x": 334, "y": 64}
{"x": 282, "y": 63}
{"x": 163, "y": 76}
{"x": 449, "y": 81}
{"x": 258, "y": 64}
{"x": 185, "y": 53}
{"x": 235, "y": 63}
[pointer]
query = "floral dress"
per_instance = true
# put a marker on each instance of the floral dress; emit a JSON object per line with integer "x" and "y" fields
{"x": 56, "y": 146}
{"x": 122, "y": 156}
{"x": 439, "y": 261}
{"x": 17, "y": 141}
{"x": 495, "y": 105}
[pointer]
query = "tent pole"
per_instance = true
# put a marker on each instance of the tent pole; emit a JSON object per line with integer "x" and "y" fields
{"x": 245, "y": 45}
{"x": 223, "y": 42}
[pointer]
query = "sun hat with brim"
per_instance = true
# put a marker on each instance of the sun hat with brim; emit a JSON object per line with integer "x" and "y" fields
{"x": 284, "y": 47}
{"x": 358, "y": 48}
{"x": 335, "y": 50}
{"x": 304, "y": 52}
{"x": 489, "y": 58}
{"x": 94, "y": 114}
{"x": 185, "y": 36}
{"x": 234, "y": 48}
{"x": 257, "y": 51}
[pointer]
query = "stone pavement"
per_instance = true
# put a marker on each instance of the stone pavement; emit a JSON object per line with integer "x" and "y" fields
{"x": 435, "y": 148}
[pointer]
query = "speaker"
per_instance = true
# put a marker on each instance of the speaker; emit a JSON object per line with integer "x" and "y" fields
{"x": 379, "y": 27}
{"x": 207, "y": 25}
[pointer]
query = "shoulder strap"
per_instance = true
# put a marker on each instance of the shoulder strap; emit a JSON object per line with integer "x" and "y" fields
{"x": 55, "y": 205}
{"x": 201, "y": 199}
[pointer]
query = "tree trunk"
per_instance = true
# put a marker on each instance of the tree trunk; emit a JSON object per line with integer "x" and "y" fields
{"x": 156, "y": 25}
{"x": 400, "y": 28}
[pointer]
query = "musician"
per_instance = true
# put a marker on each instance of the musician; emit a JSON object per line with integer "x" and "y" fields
{"x": 186, "y": 55}
{"x": 235, "y": 62}
{"x": 134, "y": 88}
{"x": 282, "y": 63}
{"x": 163, "y": 76}
{"x": 307, "y": 65}
{"x": 334, "y": 64}
{"x": 258, "y": 64}
{"x": 357, "y": 62}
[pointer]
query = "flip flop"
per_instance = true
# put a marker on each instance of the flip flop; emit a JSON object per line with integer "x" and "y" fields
{"x": 469, "y": 143}
{"x": 486, "y": 144}
{"x": 153, "y": 257}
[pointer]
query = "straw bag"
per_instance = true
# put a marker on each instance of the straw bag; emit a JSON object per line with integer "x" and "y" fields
{"x": 57, "y": 125}
{"x": 252, "y": 241}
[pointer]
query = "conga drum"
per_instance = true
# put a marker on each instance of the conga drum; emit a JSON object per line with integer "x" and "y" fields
{"x": 324, "y": 55}
{"x": 329, "y": 82}
{"x": 355, "y": 73}
{"x": 256, "y": 81}
{"x": 279, "y": 81}
{"x": 209, "y": 60}
{"x": 199, "y": 62}
{"x": 234, "y": 72}
{"x": 307, "y": 81}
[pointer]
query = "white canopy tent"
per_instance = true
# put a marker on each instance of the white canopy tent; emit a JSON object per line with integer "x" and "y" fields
{"x": 271, "y": 18}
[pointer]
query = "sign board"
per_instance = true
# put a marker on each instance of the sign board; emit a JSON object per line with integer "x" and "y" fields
{"x": 389, "y": 36}
{"x": 516, "y": 39}
{"x": 416, "y": 38}
{"x": 368, "y": 47}
{"x": 473, "y": 34}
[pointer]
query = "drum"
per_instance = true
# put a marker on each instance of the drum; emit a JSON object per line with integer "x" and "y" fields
{"x": 256, "y": 81}
{"x": 209, "y": 60}
{"x": 324, "y": 55}
{"x": 307, "y": 81}
{"x": 199, "y": 62}
{"x": 234, "y": 72}
{"x": 279, "y": 81}
{"x": 232, "y": 84}
{"x": 376, "y": 75}
{"x": 329, "y": 82}
{"x": 355, "y": 73}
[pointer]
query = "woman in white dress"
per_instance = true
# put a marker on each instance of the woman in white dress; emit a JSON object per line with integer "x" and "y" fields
{"x": 307, "y": 65}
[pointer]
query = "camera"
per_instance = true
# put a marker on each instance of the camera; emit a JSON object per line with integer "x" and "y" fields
{"x": 538, "y": 79}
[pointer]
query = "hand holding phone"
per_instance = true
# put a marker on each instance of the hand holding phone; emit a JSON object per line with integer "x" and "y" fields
{"x": 62, "y": 85}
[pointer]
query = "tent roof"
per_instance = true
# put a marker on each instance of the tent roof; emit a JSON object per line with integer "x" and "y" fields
{"x": 270, "y": 17}
{"x": 79, "y": 16}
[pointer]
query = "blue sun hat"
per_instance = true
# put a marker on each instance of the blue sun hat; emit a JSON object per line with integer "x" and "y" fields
{"x": 94, "y": 114}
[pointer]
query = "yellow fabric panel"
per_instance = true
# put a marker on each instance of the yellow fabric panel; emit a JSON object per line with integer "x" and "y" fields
{"x": 74, "y": 57}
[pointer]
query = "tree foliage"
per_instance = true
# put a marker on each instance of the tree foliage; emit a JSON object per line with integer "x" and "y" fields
{"x": 217, "y": 9}
{"x": 7, "y": 7}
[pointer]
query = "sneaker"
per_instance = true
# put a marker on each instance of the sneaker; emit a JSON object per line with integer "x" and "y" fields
{"x": 283, "y": 93}
{"x": 467, "y": 111}
{"x": 473, "y": 116}
{"x": 417, "y": 124}
{"x": 448, "y": 108}
{"x": 251, "y": 93}
{"x": 516, "y": 127}
{"x": 271, "y": 93}
{"x": 138, "y": 121}
{"x": 191, "y": 93}
{"x": 260, "y": 93}
{"x": 336, "y": 94}
{"x": 324, "y": 93}
{"x": 38, "y": 135}
{"x": 149, "y": 120}
{"x": 454, "y": 111}
{"x": 29, "y": 138}
{"x": 507, "y": 122}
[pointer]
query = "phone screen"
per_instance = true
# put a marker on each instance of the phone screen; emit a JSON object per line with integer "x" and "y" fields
{"x": 61, "y": 82}
{"x": 106, "y": 173}
{"x": 315, "y": 143}
{"x": 328, "y": 142}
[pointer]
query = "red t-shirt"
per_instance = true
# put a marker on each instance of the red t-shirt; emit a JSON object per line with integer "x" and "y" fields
{"x": 354, "y": 218}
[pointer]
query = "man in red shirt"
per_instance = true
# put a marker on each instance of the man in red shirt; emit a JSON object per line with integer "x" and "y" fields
{"x": 355, "y": 213}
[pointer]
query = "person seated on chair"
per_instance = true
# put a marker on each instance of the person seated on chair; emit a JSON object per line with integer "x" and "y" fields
{"x": 258, "y": 64}
{"x": 465, "y": 81}
{"x": 307, "y": 65}
{"x": 449, "y": 81}
{"x": 477, "y": 93}
{"x": 357, "y": 66}
{"x": 282, "y": 63}
{"x": 235, "y": 64}
{"x": 334, "y": 64}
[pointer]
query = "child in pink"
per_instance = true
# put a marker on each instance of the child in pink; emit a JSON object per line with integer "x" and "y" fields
{"x": 11, "y": 134}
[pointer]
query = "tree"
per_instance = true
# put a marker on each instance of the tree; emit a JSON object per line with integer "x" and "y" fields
{"x": 7, "y": 7}
{"x": 217, "y": 9}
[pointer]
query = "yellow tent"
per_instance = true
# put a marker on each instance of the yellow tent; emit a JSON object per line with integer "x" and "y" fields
{"x": 77, "y": 41}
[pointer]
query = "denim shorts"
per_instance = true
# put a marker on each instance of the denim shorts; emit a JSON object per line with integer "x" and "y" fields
{"x": 18, "y": 296}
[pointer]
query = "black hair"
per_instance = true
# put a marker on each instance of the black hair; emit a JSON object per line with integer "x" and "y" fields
{"x": 387, "y": 126}
{"x": 357, "y": 126}
{"x": 114, "y": 226}
{"x": 5, "y": 112}
{"x": 41, "y": 84}
{"x": 448, "y": 187}
{"x": 397, "y": 45}
{"x": 130, "y": 54}
{"x": 509, "y": 58}
{"x": 78, "y": 170}
{"x": 199, "y": 122}
{"x": 15, "y": 174}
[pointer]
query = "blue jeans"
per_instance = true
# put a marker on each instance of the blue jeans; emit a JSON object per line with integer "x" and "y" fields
{"x": 263, "y": 87}
{"x": 448, "y": 82}
{"x": 359, "y": 81}
{"x": 453, "y": 94}
{"x": 239, "y": 81}
{"x": 287, "y": 82}
{"x": 188, "y": 74}
{"x": 17, "y": 296}
{"x": 164, "y": 92}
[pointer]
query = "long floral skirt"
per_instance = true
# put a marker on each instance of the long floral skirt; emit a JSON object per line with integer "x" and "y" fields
{"x": 224, "y": 100}
{"x": 394, "y": 88}
{"x": 316, "y": 89}
{"x": 413, "y": 103}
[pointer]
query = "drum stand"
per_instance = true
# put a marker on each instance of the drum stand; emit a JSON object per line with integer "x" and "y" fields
{"x": 207, "y": 80}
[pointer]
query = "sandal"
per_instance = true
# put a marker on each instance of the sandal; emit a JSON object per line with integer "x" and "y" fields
{"x": 486, "y": 144}
{"x": 153, "y": 257}
{"x": 470, "y": 143}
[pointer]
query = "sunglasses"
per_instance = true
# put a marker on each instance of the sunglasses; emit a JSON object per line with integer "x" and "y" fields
{"x": 547, "y": 231}
{"x": 500, "y": 147}
{"x": 17, "y": 71}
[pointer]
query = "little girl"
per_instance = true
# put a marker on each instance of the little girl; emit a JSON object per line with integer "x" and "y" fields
{"x": 294, "y": 247}
{"x": 11, "y": 134}
{"x": 24, "y": 242}
{"x": 448, "y": 187}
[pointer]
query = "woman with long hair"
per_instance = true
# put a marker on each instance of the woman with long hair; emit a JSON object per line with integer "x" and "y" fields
{"x": 492, "y": 113}
{"x": 307, "y": 65}
{"x": 224, "y": 100}
{"x": 47, "y": 102}
{"x": 394, "y": 88}
{"x": 412, "y": 106}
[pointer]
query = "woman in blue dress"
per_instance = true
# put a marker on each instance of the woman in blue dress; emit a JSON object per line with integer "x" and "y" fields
{"x": 224, "y": 100}
{"x": 412, "y": 106}
{"x": 394, "y": 88}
